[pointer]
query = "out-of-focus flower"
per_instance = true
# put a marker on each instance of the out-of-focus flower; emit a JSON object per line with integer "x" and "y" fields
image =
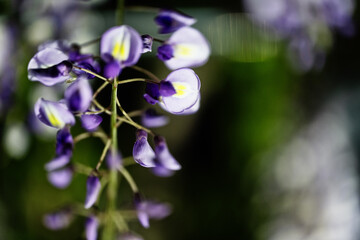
{"x": 58, "y": 220}
{"x": 57, "y": 162}
{"x": 16, "y": 140}
{"x": 147, "y": 43}
{"x": 92, "y": 191}
{"x": 150, "y": 118}
{"x": 170, "y": 21}
{"x": 179, "y": 92}
{"x": 61, "y": 178}
{"x": 161, "y": 171}
{"x": 147, "y": 210}
{"x": 164, "y": 156}
{"x": 90, "y": 122}
{"x": 120, "y": 47}
{"x": 78, "y": 95}
{"x": 49, "y": 66}
{"x": 91, "y": 227}
{"x": 114, "y": 161}
{"x": 306, "y": 24}
{"x": 129, "y": 236}
{"x": 186, "y": 47}
{"x": 142, "y": 151}
{"x": 53, "y": 114}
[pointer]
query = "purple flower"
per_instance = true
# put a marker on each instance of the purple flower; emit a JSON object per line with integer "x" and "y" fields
{"x": 78, "y": 95}
{"x": 53, "y": 114}
{"x": 92, "y": 190}
{"x": 142, "y": 151}
{"x": 120, "y": 47}
{"x": 91, "y": 227}
{"x": 161, "y": 171}
{"x": 177, "y": 94}
{"x": 165, "y": 52}
{"x": 90, "y": 122}
{"x": 163, "y": 155}
{"x": 114, "y": 161}
{"x": 62, "y": 45}
{"x": 151, "y": 210}
{"x": 150, "y": 118}
{"x": 58, "y": 162}
{"x": 147, "y": 43}
{"x": 129, "y": 236}
{"x": 49, "y": 66}
{"x": 64, "y": 142}
{"x": 170, "y": 21}
{"x": 187, "y": 86}
{"x": 61, "y": 178}
{"x": 186, "y": 47}
{"x": 58, "y": 220}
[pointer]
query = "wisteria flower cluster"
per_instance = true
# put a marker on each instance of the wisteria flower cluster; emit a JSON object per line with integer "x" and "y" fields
{"x": 179, "y": 93}
{"x": 307, "y": 24}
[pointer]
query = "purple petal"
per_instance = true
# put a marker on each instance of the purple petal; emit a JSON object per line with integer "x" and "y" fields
{"x": 112, "y": 69}
{"x": 62, "y": 45}
{"x": 191, "y": 49}
{"x": 78, "y": 95}
{"x": 187, "y": 86}
{"x": 58, "y": 162}
{"x": 60, "y": 178}
{"x": 92, "y": 191}
{"x": 166, "y": 89}
{"x": 164, "y": 156}
{"x": 90, "y": 122}
{"x": 53, "y": 114}
{"x": 129, "y": 236}
{"x": 123, "y": 43}
{"x": 114, "y": 161}
{"x": 151, "y": 119}
{"x": 91, "y": 227}
{"x": 161, "y": 171}
{"x": 147, "y": 43}
{"x": 49, "y": 66}
{"x": 142, "y": 151}
{"x": 64, "y": 142}
{"x": 151, "y": 210}
{"x": 57, "y": 220}
{"x": 165, "y": 52}
{"x": 192, "y": 109}
{"x": 170, "y": 21}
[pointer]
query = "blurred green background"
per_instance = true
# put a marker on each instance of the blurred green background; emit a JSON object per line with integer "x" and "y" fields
{"x": 271, "y": 154}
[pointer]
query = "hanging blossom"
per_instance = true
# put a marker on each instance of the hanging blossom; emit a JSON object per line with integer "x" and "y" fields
{"x": 120, "y": 47}
{"x": 179, "y": 93}
{"x": 186, "y": 47}
{"x": 169, "y": 20}
{"x": 59, "y": 62}
{"x": 307, "y": 25}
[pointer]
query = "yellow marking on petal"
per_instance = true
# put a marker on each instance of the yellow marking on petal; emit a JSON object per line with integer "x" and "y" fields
{"x": 121, "y": 49}
{"x": 181, "y": 89}
{"x": 184, "y": 50}
{"x": 53, "y": 118}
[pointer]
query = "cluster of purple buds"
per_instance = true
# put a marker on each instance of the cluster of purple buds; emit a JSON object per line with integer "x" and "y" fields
{"x": 59, "y": 62}
{"x": 306, "y": 25}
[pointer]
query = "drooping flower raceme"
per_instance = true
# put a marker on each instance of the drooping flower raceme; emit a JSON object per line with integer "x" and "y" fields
{"x": 186, "y": 47}
{"x": 170, "y": 20}
{"x": 179, "y": 93}
{"x": 120, "y": 47}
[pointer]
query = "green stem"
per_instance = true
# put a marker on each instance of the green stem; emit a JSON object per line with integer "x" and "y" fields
{"x": 137, "y": 80}
{"x": 129, "y": 179}
{"x": 109, "y": 228}
{"x": 92, "y": 73}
